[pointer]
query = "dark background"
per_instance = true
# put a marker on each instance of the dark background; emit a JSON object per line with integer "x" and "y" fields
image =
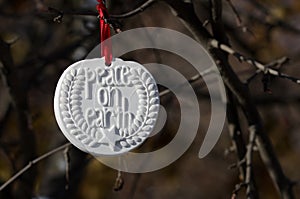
{"x": 35, "y": 49}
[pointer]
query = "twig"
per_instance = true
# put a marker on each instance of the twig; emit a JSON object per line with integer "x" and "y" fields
{"x": 135, "y": 11}
{"x": 235, "y": 133}
{"x": 67, "y": 165}
{"x": 119, "y": 182}
{"x": 278, "y": 63}
{"x": 238, "y": 164}
{"x": 237, "y": 188}
{"x": 214, "y": 43}
{"x": 33, "y": 162}
{"x": 236, "y": 13}
{"x": 192, "y": 80}
{"x": 248, "y": 81}
{"x": 238, "y": 17}
{"x": 61, "y": 13}
{"x": 250, "y": 189}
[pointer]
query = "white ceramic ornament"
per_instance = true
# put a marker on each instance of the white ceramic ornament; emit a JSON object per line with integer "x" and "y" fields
{"x": 106, "y": 110}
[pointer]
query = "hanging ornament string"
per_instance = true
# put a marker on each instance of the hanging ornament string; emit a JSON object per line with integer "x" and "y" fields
{"x": 106, "y": 48}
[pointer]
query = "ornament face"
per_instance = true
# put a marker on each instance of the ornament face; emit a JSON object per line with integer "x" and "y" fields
{"x": 106, "y": 110}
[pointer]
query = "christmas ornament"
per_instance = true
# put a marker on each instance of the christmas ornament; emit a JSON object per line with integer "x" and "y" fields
{"x": 106, "y": 110}
{"x": 106, "y": 106}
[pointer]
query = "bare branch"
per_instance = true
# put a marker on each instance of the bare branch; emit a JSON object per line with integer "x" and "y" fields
{"x": 67, "y": 165}
{"x": 214, "y": 43}
{"x": 135, "y": 11}
{"x": 18, "y": 86}
{"x": 262, "y": 140}
{"x": 243, "y": 96}
{"x": 278, "y": 63}
{"x": 191, "y": 81}
{"x": 33, "y": 162}
{"x": 237, "y": 188}
{"x": 119, "y": 182}
{"x": 250, "y": 190}
{"x": 61, "y": 13}
{"x": 218, "y": 31}
{"x": 236, "y": 13}
{"x": 238, "y": 17}
{"x": 236, "y": 133}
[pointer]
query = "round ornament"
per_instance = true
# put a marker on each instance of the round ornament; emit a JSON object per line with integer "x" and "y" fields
{"x": 106, "y": 110}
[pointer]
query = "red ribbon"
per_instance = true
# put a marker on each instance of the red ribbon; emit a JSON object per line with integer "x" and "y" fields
{"x": 106, "y": 49}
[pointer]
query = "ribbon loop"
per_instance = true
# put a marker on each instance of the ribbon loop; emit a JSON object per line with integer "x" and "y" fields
{"x": 106, "y": 49}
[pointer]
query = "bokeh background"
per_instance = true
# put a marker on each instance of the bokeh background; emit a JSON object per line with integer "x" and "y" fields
{"x": 37, "y": 45}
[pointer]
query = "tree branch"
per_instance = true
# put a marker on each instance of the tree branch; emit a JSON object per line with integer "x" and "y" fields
{"x": 61, "y": 13}
{"x": 265, "y": 69}
{"x": 33, "y": 162}
{"x": 135, "y": 11}
{"x": 235, "y": 133}
{"x": 249, "y": 178}
{"x": 218, "y": 31}
{"x": 243, "y": 96}
{"x": 18, "y": 85}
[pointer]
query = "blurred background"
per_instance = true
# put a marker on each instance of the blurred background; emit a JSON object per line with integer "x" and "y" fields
{"x": 37, "y": 44}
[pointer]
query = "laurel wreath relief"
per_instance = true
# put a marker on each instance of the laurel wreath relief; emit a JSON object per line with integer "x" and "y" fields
{"x": 143, "y": 123}
{"x": 148, "y": 107}
{"x": 70, "y": 104}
